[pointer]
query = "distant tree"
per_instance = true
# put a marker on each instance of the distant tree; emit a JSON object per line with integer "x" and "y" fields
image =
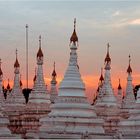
{"x": 26, "y": 92}
{"x": 135, "y": 91}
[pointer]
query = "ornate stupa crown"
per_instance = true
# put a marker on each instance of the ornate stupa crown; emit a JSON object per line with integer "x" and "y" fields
{"x": 107, "y": 58}
{"x": 119, "y": 87}
{"x": 16, "y": 65}
{"x": 54, "y": 72}
{"x": 1, "y": 73}
{"x": 40, "y": 53}
{"x": 74, "y": 37}
{"x": 129, "y": 69}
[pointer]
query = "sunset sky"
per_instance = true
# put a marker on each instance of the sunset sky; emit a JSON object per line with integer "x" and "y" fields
{"x": 98, "y": 22}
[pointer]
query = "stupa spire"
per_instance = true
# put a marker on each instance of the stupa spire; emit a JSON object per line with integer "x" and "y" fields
{"x": 129, "y": 69}
{"x": 74, "y": 37}
{"x": 107, "y": 58}
{"x": 101, "y": 77}
{"x": 39, "y": 53}
{"x": 16, "y": 65}
{"x": 54, "y": 72}
{"x": 53, "y": 91}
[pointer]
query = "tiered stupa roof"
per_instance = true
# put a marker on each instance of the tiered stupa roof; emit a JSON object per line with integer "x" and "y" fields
{"x": 71, "y": 113}
{"x": 39, "y": 98}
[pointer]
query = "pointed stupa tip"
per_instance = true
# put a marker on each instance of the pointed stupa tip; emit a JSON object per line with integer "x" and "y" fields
{"x": 54, "y": 72}
{"x": 107, "y": 58}
{"x": 40, "y": 53}
{"x": 8, "y": 85}
{"x": 16, "y": 65}
{"x": 129, "y": 69}
{"x": 74, "y": 37}
{"x": 119, "y": 87}
{"x": 1, "y": 73}
{"x": 101, "y": 77}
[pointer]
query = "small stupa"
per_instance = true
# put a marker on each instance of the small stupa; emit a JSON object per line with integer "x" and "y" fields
{"x": 107, "y": 107}
{"x": 53, "y": 91}
{"x": 129, "y": 97}
{"x": 15, "y": 102}
{"x": 39, "y": 98}
{"x": 17, "y": 95}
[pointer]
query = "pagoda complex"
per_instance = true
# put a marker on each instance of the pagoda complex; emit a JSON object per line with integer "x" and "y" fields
{"x": 72, "y": 116}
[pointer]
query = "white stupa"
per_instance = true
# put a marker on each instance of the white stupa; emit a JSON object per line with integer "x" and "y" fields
{"x": 130, "y": 128}
{"x": 5, "y": 133}
{"x": 106, "y": 107}
{"x": 15, "y": 98}
{"x": 72, "y": 116}
{"x": 129, "y": 99}
{"x": 39, "y": 98}
{"x": 17, "y": 95}
{"x": 119, "y": 94}
{"x": 108, "y": 98}
{"x": 53, "y": 91}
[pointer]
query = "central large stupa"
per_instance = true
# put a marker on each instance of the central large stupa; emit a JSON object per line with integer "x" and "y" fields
{"x": 72, "y": 116}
